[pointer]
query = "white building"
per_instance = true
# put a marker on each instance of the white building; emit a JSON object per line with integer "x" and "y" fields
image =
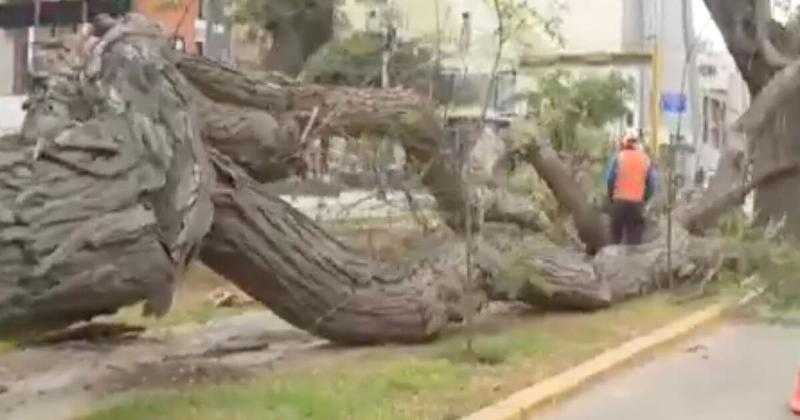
{"x": 593, "y": 25}
{"x": 724, "y": 97}
{"x": 467, "y": 33}
{"x": 12, "y": 60}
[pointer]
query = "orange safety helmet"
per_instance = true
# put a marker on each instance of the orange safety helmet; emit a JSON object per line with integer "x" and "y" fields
{"x": 628, "y": 141}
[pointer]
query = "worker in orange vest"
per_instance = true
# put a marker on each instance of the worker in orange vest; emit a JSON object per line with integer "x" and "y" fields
{"x": 631, "y": 180}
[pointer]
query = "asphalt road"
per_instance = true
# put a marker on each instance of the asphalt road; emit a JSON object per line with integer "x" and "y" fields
{"x": 739, "y": 371}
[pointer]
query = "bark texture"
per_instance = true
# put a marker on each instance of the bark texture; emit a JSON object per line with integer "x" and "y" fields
{"x": 106, "y": 194}
{"x": 349, "y": 112}
{"x": 283, "y": 259}
{"x": 543, "y": 274}
{"x": 591, "y": 224}
{"x": 298, "y": 29}
{"x": 754, "y": 40}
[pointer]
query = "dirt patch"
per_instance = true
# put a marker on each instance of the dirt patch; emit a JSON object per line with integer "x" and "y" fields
{"x": 70, "y": 375}
{"x": 171, "y": 374}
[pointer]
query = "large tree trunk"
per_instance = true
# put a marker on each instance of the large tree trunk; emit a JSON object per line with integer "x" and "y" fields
{"x": 283, "y": 259}
{"x": 589, "y": 221}
{"x": 754, "y": 40}
{"x": 399, "y": 114}
{"x": 103, "y": 209}
{"x": 556, "y": 277}
{"x": 106, "y": 194}
{"x": 298, "y": 30}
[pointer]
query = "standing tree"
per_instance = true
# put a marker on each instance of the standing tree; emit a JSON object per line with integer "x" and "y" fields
{"x": 767, "y": 54}
{"x": 298, "y": 28}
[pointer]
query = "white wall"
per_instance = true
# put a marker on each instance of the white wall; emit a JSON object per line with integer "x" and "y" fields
{"x": 593, "y": 25}
{"x": 11, "y": 113}
{"x": 6, "y": 63}
{"x": 728, "y": 87}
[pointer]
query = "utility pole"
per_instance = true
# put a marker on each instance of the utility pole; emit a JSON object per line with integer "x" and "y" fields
{"x": 37, "y": 12}
{"x": 655, "y": 96}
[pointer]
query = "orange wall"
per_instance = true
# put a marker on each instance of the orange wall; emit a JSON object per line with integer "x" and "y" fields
{"x": 170, "y": 16}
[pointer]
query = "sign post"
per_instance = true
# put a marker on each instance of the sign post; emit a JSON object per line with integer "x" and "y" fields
{"x": 671, "y": 103}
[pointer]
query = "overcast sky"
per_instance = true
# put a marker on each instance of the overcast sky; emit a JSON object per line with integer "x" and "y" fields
{"x": 706, "y": 28}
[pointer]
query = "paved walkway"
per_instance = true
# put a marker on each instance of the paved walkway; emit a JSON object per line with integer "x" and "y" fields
{"x": 739, "y": 371}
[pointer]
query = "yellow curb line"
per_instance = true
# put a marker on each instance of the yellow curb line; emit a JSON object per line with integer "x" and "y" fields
{"x": 518, "y": 405}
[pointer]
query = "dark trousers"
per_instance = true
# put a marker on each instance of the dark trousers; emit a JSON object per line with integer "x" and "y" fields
{"x": 627, "y": 222}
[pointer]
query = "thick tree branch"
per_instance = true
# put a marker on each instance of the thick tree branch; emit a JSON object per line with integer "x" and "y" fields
{"x": 589, "y": 221}
{"x": 736, "y": 20}
{"x": 280, "y": 257}
{"x": 105, "y": 196}
{"x": 704, "y": 214}
{"x": 350, "y": 112}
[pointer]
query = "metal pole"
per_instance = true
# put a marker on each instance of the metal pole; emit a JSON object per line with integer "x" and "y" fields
{"x": 672, "y": 152}
{"x": 655, "y": 115}
{"x": 670, "y": 155}
{"x": 37, "y": 11}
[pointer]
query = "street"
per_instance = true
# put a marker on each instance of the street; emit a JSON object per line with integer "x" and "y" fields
{"x": 738, "y": 371}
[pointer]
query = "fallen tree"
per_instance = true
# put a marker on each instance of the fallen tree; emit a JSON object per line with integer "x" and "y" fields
{"x": 602, "y": 274}
{"x": 110, "y": 191}
{"x": 108, "y": 194}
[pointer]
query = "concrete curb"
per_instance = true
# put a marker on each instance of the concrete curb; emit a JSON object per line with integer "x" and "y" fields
{"x": 519, "y": 405}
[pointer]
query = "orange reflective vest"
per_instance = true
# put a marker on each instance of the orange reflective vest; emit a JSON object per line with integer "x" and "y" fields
{"x": 631, "y": 177}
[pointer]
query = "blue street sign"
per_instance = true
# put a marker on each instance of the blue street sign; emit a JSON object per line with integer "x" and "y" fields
{"x": 673, "y": 103}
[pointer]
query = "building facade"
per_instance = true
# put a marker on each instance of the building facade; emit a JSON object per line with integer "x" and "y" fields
{"x": 12, "y": 62}
{"x": 177, "y": 20}
{"x": 466, "y": 30}
{"x": 724, "y": 97}
{"x": 195, "y": 26}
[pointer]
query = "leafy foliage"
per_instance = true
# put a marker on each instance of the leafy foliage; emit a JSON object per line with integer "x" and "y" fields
{"x": 766, "y": 258}
{"x": 356, "y": 61}
{"x": 565, "y": 104}
{"x": 520, "y": 18}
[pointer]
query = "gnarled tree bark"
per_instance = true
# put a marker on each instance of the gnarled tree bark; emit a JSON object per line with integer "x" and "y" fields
{"x": 283, "y": 259}
{"x": 106, "y": 194}
{"x": 754, "y": 39}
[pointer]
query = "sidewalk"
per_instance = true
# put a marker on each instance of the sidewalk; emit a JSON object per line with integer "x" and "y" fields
{"x": 742, "y": 371}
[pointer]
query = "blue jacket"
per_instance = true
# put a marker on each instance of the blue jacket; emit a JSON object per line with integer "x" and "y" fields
{"x": 611, "y": 178}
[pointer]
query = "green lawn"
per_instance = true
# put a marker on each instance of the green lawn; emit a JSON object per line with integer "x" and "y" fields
{"x": 7, "y": 346}
{"x": 440, "y": 380}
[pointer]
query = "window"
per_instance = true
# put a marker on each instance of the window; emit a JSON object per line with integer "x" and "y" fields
{"x": 722, "y": 124}
{"x": 446, "y": 85}
{"x": 373, "y": 23}
{"x": 504, "y": 92}
{"x": 179, "y": 44}
{"x": 714, "y": 133}
{"x": 707, "y": 70}
{"x": 713, "y": 121}
{"x": 705, "y": 120}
